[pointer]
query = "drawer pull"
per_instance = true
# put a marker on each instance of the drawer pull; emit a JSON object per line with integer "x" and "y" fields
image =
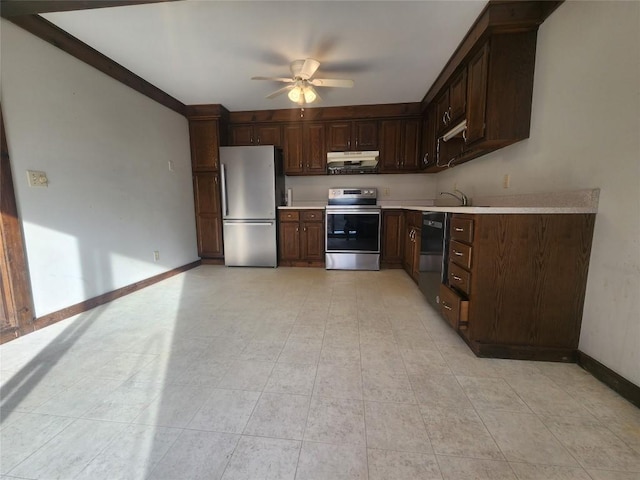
{"x": 458, "y": 229}
{"x": 446, "y": 306}
{"x": 456, "y": 278}
{"x": 457, "y": 253}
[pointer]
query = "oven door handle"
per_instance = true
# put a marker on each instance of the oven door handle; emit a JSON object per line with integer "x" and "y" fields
{"x": 353, "y": 212}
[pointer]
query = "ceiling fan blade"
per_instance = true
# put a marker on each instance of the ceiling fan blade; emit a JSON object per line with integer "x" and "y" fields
{"x": 280, "y": 91}
{"x": 309, "y": 67}
{"x": 331, "y": 82}
{"x": 275, "y": 79}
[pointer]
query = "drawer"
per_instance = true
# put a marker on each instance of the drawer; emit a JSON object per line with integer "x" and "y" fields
{"x": 312, "y": 215}
{"x": 459, "y": 278}
{"x": 454, "y": 308}
{"x": 289, "y": 215}
{"x": 462, "y": 229}
{"x": 460, "y": 254}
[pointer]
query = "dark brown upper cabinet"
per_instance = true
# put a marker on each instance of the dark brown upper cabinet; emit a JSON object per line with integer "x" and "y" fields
{"x": 204, "y": 138}
{"x": 400, "y": 145}
{"x": 352, "y": 135}
{"x": 247, "y": 134}
{"x": 304, "y": 149}
{"x": 488, "y": 82}
{"x": 451, "y": 104}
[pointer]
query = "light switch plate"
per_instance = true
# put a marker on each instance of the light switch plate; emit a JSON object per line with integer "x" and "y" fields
{"x": 37, "y": 178}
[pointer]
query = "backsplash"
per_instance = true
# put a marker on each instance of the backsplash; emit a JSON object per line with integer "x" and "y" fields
{"x": 391, "y": 188}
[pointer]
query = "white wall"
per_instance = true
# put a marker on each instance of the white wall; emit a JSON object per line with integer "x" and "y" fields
{"x": 111, "y": 200}
{"x": 585, "y": 133}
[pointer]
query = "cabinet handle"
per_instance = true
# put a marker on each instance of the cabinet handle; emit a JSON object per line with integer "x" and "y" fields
{"x": 456, "y": 278}
{"x": 307, "y": 165}
{"x": 457, "y": 254}
{"x": 464, "y": 135}
{"x": 444, "y": 118}
{"x": 297, "y": 229}
{"x": 458, "y": 229}
{"x": 215, "y": 180}
{"x": 425, "y": 159}
{"x": 300, "y": 164}
{"x": 304, "y": 229}
{"x": 446, "y": 306}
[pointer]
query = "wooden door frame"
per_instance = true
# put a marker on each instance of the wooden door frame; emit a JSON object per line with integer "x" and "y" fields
{"x": 17, "y": 299}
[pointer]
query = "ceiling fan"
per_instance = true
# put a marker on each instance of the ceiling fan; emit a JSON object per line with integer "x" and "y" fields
{"x": 301, "y": 89}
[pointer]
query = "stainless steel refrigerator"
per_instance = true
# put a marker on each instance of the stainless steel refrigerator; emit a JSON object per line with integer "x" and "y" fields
{"x": 252, "y": 181}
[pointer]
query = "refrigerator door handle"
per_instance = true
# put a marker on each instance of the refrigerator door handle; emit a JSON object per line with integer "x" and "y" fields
{"x": 251, "y": 224}
{"x": 223, "y": 181}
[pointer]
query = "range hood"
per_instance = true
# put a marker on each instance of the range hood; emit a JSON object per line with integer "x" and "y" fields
{"x": 352, "y": 162}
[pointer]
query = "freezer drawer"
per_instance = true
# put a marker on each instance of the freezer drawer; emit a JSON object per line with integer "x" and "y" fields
{"x": 250, "y": 243}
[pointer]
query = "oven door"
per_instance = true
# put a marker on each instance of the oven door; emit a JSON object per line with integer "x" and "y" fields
{"x": 352, "y": 239}
{"x": 353, "y": 231}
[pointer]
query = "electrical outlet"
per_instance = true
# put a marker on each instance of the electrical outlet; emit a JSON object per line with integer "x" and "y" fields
{"x": 37, "y": 179}
{"x": 455, "y": 186}
{"x": 156, "y": 255}
{"x": 386, "y": 192}
{"x": 171, "y": 166}
{"x": 506, "y": 180}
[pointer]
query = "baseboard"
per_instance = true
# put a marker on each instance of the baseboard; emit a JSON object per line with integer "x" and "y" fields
{"x": 67, "y": 312}
{"x": 616, "y": 382}
{"x": 213, "y": 261}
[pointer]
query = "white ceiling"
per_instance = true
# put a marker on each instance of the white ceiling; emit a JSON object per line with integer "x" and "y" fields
{"x": 205, "y": 51}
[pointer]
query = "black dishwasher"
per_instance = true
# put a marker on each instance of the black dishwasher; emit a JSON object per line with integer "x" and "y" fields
{"x": 434, "y": 247}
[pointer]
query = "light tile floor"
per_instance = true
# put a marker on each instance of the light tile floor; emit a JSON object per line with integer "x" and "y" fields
{"x": 295, "y": 373}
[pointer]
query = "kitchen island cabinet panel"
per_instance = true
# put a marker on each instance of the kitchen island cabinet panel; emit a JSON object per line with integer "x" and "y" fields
{"x": 526, "y": 283}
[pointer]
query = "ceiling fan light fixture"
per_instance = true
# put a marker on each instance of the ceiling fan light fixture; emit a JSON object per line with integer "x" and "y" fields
{"x": 309, "y": 95}
{"x": 295, "y": 94}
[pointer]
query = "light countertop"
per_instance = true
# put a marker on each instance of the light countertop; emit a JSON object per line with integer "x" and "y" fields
{"x": 576, "y": 202}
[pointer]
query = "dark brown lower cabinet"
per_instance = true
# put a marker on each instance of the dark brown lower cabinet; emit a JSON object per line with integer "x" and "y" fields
{"x": 206, "y": 189}
{"x": 516, "y": 283}
{"x": 301, "y": 238}
{"x": 392, "y": 238}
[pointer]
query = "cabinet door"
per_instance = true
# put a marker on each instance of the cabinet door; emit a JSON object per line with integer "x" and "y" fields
{"x": 366, "y": 135}
{"x": 477, "y": 94}
{"x": 312, "y": 241}
{"x": 204, "y": 139}
{"x": 289, "y": 241}
{"x": 315, "y": 154}
{"x": 209, "y": 233}
{"x": 392, "y": 236}
{"x": 429, "y": 133}
{"x": 268, "y": 135}
{"x": 415, "y": 264}
{"x": 206, "y": 189}
{"x": 241, "y": 135}
{"x": 458, "y": 97}
{"x": 407, "y": 259}
{"x": 339, "y": 137}
{"x": 390, "y": 145}
{"x": 410, "y": 151}
{"x": 293, "y": 149}
{"x": 442, "y": 111}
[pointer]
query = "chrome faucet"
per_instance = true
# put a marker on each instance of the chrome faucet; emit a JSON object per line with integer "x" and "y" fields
{"x": 462, "y": 198}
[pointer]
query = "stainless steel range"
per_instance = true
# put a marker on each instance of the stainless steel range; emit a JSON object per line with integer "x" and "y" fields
{"x": 353, "y": 229}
